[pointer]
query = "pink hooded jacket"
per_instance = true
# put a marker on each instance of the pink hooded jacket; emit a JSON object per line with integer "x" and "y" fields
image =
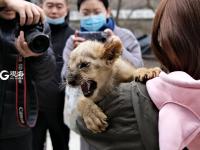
{"x": 177, "y": 96}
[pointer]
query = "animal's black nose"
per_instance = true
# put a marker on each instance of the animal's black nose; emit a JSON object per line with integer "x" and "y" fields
{"x": 72, "y": 82}
{"x": 73, "y": 79}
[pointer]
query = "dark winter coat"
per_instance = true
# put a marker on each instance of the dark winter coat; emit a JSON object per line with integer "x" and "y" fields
{"x": 132, "y": 119}
{"x": 52, "y": 98}
{"x": 40, "y": 69}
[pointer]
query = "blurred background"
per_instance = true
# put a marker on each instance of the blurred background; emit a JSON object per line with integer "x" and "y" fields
{"x": 135, "y": 15}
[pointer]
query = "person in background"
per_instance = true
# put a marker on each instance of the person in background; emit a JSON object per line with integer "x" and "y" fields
{"x": 40, "y": 68}
{"x": 96, "y": 16}
{"x": 51, "y": 95}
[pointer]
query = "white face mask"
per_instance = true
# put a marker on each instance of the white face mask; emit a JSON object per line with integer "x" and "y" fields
{"x": 56, "y": 21}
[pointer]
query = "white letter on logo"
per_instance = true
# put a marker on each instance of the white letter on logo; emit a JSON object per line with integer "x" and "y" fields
{"x": 4, "y": 75}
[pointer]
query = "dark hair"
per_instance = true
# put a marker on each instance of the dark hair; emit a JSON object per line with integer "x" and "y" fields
{"x": 105, "y": 3}
{"x": 176, "y": 34}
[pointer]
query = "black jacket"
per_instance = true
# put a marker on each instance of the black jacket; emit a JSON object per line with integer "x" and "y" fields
{"x": 39, "y": 69}
{"x": 132, "y": 119}
{"x": 52, "y": 98}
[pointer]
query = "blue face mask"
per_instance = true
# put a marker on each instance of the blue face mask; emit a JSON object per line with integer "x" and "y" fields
{"x": 56, "y": 21}
{"x": 93, "y": 23}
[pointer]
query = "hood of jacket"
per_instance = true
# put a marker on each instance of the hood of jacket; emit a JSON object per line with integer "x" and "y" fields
{"x": 177, "y": 96}
{"x": 176, "y": 87}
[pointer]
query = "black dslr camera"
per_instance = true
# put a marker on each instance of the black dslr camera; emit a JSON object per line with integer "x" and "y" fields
{"x": 34, "y": 35}
{"x": 98, "y": 36}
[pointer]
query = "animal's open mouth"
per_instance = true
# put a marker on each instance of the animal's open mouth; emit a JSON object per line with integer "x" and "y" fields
{"x": 88, "y": 87}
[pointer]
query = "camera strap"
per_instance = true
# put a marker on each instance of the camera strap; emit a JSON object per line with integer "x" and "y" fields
{"x": 26, "y": 100}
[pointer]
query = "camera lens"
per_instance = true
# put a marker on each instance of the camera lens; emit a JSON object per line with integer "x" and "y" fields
{"x": 39, "y": 43}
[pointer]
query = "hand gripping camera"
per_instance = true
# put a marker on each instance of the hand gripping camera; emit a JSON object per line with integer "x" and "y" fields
{"x": 34, "y": 35}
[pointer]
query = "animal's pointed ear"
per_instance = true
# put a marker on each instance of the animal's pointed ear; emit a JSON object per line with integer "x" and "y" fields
{"x": 112, "y": 49}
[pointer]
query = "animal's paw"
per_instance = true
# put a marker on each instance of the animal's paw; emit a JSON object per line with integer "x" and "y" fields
{"x": 93, "y": 116}
{"x": 144, "y": 74}
{"x": 95, "y": 119}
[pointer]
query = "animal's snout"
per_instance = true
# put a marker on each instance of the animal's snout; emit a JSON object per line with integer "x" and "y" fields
{"x": 73, "y": 79}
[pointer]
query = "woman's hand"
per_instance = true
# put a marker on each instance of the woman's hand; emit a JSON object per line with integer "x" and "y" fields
{"x": 22, "y": 47}
{"x": 109, "y": 32}
{"x": 77, "y": 40}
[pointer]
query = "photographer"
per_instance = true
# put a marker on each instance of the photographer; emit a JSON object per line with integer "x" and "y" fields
{"x": 38, "y": 69}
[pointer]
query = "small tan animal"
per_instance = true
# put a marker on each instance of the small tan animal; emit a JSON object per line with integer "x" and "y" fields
{"x": 98, "y": 68}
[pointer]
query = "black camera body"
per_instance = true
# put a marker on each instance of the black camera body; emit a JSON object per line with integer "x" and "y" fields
{"x": 98, "y": 36}
{"x": 34, "y": 35}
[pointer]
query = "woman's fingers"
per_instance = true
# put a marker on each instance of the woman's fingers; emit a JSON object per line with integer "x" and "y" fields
{"x": 109, "y": 32}
{"x": 77, "y": 40}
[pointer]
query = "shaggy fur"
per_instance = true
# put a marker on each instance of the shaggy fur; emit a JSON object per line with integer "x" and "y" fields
{"x": 97, "y": 68}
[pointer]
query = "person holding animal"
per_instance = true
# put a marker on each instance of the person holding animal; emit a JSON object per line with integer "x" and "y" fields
{"x": 175, "y": 41}
{"x": 98, "y": 69}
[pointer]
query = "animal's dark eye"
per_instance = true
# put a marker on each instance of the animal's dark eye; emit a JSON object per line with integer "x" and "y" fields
{"x": 84, "y": 65}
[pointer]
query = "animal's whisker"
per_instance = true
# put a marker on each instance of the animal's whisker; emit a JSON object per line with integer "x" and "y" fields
{"x": 63, "y": 84}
